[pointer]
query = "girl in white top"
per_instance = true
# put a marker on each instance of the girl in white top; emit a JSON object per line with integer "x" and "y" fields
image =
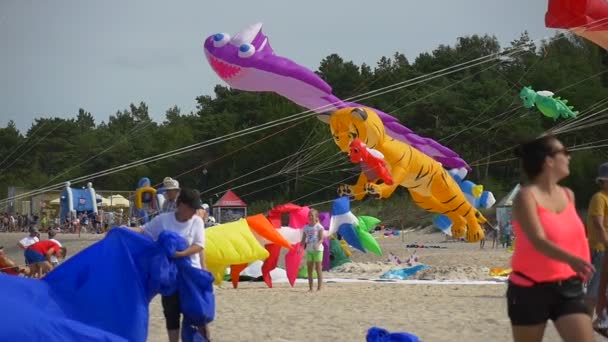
{"x": 312, "y": 240}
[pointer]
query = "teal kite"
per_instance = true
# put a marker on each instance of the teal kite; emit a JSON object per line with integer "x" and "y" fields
{"x": 551, "y": 107}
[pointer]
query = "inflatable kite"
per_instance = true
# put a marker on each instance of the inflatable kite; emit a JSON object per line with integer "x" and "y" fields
{"x": 343, "y": 222}
{"x": 237, "y": 244}
{"x": 586, "y": 18}
{"x": 103, "y": 292}
{"x": 474, "y": 194}
{"x": 372, "y": 162}
{"x": 366, "y": 224}
{"x": 353, "y": 230}
{"x": 298, "y": 218}
{"x": 248, "y": 62}
{"x": 551, "y": 107}
{"x": 147, "y": 200}
{"x": 429, "y": 184}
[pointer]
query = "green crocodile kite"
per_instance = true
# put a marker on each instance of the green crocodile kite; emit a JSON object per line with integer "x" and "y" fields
{"x": 551, "y": 107}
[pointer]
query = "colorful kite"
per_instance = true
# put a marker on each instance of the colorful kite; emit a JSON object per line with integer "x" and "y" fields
{"x": 372, "y": 162}
{"x": 585, "y": 18}
{"x": 248, "y": 62}
{"x": 474, "y": 194}
{"x": 551, "y": 107}
{"x": 429, "y": 184}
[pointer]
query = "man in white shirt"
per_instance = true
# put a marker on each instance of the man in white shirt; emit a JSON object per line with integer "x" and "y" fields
{"x": 190, "y": 226}
{"x": 171, "y": 187}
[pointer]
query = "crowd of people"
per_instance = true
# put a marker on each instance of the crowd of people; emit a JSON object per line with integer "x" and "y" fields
{"x": 21, "y": 222}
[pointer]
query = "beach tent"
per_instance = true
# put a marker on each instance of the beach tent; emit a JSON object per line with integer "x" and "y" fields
{"x": 229, "y": 208}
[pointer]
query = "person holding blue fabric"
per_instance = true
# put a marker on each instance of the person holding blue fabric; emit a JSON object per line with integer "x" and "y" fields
{"x": 190, "y": 226}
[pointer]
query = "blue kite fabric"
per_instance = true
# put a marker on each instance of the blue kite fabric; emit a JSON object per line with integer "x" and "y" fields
{"x": 344, "y": 221}
{"x": 103, "y": 292}
{"x": 375, "y": 334}
{"x": 403, "y": 273}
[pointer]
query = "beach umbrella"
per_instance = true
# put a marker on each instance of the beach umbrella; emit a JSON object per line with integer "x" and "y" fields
{"x": 118, "y": 201}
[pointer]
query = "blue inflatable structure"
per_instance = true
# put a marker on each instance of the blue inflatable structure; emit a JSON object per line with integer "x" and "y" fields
{"x": 74, "y": 201}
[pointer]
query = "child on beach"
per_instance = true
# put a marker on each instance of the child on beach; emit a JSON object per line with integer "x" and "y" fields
{"x": 38, "y": 256}
{"x": 312, "y": 241}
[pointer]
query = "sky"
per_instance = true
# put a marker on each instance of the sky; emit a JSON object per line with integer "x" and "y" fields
{"x": 61, "y": 55}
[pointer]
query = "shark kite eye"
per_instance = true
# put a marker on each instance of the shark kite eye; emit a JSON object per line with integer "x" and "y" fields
{"x": 220, "y": 39}
{"x": 246, "y": 50}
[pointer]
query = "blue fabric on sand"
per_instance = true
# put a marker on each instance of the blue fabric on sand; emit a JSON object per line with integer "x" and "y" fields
{"x": 376, "y": 334}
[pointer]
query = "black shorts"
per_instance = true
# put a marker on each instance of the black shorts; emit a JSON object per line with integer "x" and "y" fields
{"x": 539, "y": 303}
{"x": 172, "y": 310}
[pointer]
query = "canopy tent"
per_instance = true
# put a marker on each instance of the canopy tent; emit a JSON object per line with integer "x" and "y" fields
{"x": 229, "y": 208}
{"x": 102, "y": 201}
{"x": 118, "y": 201}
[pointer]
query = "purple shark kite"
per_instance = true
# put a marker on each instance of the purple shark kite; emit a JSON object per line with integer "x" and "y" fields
{"x": 247, "y": 62}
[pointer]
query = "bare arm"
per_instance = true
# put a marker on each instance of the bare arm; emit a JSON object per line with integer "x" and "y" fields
{"x": 203, "y": 261}
{"x": 134, "y": 229}
{"x": 20, "y": 245}
{"x": 191, "y": 250}
{"x": 598, "y": 224}
{"x": 597, "y": 208}
{"x": 49, "y": 254}
{"x": 524, "y": 211}
{"x": 320, "y": 238}
{"x": 303, "y": 240}
{"x": 5, "y": 262}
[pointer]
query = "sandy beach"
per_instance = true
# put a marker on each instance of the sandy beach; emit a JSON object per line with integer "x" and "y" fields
{"x": 344, "y": 311}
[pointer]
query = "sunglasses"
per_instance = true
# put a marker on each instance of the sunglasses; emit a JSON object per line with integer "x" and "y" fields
{"x": 563, "y": 150}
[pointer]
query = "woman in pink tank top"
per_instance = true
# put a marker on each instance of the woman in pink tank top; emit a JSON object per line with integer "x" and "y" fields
{"x": 551, "y": 258}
